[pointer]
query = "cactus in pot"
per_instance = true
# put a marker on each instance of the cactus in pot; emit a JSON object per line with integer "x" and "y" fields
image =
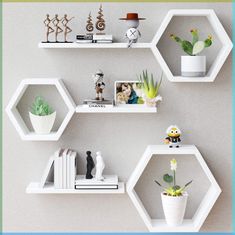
{"x": 193, "y": 64}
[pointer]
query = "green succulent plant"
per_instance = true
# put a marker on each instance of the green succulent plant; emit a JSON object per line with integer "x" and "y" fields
{"x": 40, "y": 107}
{"x": 173, "y": 189}
{"x": 195, "y": 47}
{"x": 149, "y": 87}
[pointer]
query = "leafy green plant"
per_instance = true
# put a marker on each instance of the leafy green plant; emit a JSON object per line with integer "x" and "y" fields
{"x": 173, "y": 189}
{"x": 40, "y": 107}
{"x": 149, "y": 87}
{"x": 195, "y": 47}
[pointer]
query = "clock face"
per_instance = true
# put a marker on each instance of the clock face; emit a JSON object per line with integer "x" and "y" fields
{"x": 132, "y": 33}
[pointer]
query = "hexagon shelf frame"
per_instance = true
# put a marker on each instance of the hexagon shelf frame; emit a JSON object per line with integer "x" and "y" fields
{"x": 218, "y": 29}
{"x": 159, "y": 225}
{"x": 19, "y": 123}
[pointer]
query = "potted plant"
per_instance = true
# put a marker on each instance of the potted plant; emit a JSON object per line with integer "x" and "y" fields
{"x": 174, "y": 198}
{"x": 150, "y": 89}
{"x": 42, "y": 116}
{"x": 193, "y": 65}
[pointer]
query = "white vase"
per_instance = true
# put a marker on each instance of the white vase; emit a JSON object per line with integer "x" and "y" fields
{"x": 174, "y": 208}
{"x": 193, "y": 66}
{"x": 151, "y": 102}
{"x": 42, "y": 124}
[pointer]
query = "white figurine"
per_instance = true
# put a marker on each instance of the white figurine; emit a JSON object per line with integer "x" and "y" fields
{"x": 132, "y": 33}
{"x": 99, "y": 167}
{"x": 99, "y": 84}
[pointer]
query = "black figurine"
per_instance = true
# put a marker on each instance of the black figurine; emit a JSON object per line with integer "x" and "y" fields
{"x": 90, "y": 165}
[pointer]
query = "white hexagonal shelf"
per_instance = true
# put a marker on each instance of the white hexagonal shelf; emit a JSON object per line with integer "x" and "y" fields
{"x": 159, "y": 225}
{"x": 219, "y": 31}
{"x": 18, "y": 121}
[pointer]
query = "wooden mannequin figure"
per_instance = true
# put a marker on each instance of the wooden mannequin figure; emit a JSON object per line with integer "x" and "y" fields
{"x": 90, "y": 165}
{"x": 67, "y": 30}
{"x": 47, "y": 23}
{"x": 58, "y": 29}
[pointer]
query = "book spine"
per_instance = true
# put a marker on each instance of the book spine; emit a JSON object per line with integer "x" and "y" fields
{"x": 56, "y": 173}
{"x": 68, "y": 172}
{"x": 60, "y": 174}
{"x": 64, "y": 169}
{"x": 72, "y": 170}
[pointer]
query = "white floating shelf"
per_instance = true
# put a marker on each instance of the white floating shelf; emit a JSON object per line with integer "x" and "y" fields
{"x": 116, "y": 109}
{"x": 186, "y": 226}
{"x": 35, "y": 188}
{"x": 92, "y": 45}
{"x": 191, "y": 225}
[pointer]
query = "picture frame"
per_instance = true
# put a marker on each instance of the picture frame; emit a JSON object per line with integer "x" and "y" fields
{"x": 128, "y": 93}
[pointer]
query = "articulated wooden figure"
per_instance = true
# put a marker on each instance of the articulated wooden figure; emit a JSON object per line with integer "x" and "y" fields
{"x": 67, "y": 29}
{"x": 47, "y": 23}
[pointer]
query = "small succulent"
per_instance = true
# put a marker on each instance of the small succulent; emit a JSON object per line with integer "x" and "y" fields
{"x": 40, "y": 107}
{"x": 149, "y": 87}
{"x": 195, "y": 47}
{"x": 173, "y": 189}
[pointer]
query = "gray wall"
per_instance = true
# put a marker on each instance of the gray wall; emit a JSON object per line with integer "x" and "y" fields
{"x": 203, "y": 111}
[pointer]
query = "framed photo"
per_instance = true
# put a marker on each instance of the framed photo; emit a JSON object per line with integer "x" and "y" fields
{"x": 128, "y": 93}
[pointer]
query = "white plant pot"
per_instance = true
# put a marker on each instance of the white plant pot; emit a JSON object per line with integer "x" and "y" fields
{"x": 174, "y": 208}
{"x": 151, "y": 102}
{"x": 42, "y": 124}
{"x": 193, "y": 66}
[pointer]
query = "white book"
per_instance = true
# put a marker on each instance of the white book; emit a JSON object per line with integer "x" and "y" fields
{"x": 100, "y": 187}
{"x": 56, "y": 168}
{"x": 108, "y": 180}
{"x": 103, "y": 37}
{"x": 73, "y": 169}
{"x": 46, "y": 176}
{"x": 68, "y": 168}
{"x": 64, "y": 168}
{"x": 60, "y": 169}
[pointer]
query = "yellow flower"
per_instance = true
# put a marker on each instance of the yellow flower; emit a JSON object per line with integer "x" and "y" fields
{"x": 173, "y": 164}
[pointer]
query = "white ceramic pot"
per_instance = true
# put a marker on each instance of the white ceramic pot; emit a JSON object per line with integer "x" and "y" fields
{"x": 174, "y": 208}
{"x": 152, "y": 102}
{"x": 193, "y": 66}
{"x": 42, "y": 124}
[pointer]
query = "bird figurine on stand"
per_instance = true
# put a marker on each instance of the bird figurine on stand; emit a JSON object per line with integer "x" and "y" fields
{"x": 132, "y": 34}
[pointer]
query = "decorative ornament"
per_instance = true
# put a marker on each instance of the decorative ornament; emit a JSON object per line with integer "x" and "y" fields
{"x": 67, "y": 29}
{"x": 89, "y": 26}
{"x": 47, "y": 23}
{"x": 100, "y": 23}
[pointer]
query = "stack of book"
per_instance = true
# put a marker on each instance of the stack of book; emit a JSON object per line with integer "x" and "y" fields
{"x": 84, "y": 38}
{"x": 65, "y": 169}
{"x": 109, "y": 182}
{"x": 98, "y": 103}
{"x": 61, "y": 170}
{"x": 103, "y": 38}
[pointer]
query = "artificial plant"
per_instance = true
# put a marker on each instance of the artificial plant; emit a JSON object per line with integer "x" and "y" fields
{"x": 196, "y": 46}
{"x": 173, "y": 189}
{"x": 40, "y": 107}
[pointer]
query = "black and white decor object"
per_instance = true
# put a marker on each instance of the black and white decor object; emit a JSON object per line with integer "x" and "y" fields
{"x": 90, "y": 165}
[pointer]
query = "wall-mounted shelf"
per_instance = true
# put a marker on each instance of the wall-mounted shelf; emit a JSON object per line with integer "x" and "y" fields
{"x": 153, "y": 45}
{"x": 34, "y": 188}
{"x": 191, "y": 225}
{"x": 218, "y": 30}
{"x": 117, "y": 109}
{"x": 92, "y": 45}
{"x": 18, "y": 121}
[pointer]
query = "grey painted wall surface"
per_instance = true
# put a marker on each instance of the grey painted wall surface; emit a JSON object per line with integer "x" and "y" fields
{"x": 203, "y": 111}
